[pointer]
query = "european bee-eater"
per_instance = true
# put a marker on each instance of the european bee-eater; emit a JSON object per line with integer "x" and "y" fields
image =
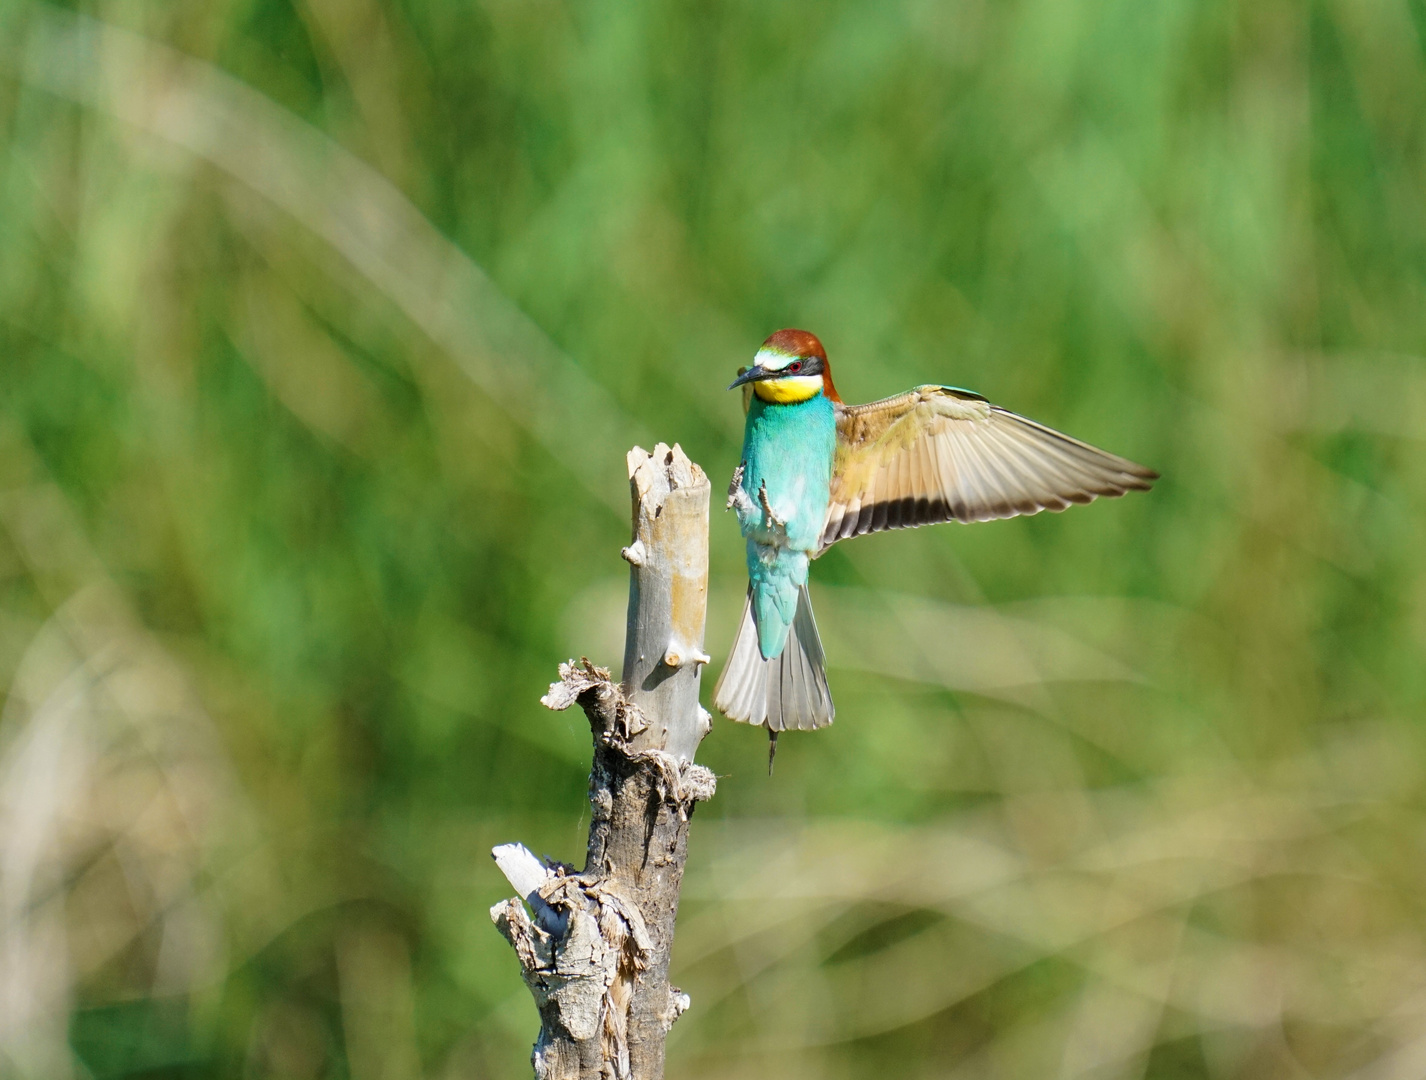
{"x": 816, "y": 470}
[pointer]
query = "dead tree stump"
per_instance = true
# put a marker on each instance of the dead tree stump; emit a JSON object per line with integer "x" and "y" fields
{"x": 594, "y": 946}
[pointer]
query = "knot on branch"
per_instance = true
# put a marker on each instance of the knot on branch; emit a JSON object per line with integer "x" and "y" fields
{"x": 613, "y": 717}
{"x": 581, "y": 973}
{"x": 615, "y": 720}
{"x": 679, "y": 783}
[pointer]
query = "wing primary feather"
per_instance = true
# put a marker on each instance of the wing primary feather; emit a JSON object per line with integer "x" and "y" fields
{"x": 1092, "y": 455}
{"x": 1038, "y": 474}
{"x": 1031, "y": 475}
{"x": 1102, "y": 475}
{"x": 1073, "y": 471}
{"x": 1028, "y": 469}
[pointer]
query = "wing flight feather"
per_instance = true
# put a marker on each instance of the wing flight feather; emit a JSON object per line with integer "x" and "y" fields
{"x": 936, "y": 453}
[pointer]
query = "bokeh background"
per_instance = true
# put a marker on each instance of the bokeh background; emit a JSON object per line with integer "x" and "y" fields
{"x": 325, "y": 326}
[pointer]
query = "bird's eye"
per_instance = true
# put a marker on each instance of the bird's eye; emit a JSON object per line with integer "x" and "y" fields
{"x": 795, "y": 366}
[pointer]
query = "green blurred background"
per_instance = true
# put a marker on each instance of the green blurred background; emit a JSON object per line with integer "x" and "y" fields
{"x": 326, "y": 325}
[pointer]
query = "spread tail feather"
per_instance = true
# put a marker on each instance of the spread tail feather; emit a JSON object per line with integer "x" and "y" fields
{"x": 788, "y": 692}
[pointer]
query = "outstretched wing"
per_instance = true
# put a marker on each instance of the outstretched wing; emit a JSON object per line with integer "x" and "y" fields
{"x": 936, "y": 453}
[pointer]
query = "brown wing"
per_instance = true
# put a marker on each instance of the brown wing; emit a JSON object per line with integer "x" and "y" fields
{"x": 936, "y": 453}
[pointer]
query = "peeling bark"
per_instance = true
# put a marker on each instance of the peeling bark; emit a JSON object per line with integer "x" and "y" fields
{"x": 595, "y": 954}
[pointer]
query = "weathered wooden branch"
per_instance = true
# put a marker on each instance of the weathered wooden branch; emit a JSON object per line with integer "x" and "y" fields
{"x": 594, "y": 946}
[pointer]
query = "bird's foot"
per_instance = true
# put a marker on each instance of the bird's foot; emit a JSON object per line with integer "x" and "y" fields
{"x": 738, "y": 498}
{"x": 774, "y": 522}
{"x": 736, "y": 495}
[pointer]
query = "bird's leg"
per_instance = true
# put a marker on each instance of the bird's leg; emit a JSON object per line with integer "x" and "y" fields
{"x": 738, "y": 498}
{"x": 735, "y": 488}
{"x": 735, "y": 485}
{"x": 774, "y": 522}
{"x": 771, "y": 749}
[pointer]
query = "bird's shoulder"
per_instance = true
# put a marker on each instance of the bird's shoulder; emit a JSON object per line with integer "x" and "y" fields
{"x": 902, "y": 417}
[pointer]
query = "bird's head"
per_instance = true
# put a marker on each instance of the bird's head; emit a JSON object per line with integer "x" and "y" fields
{"x": 791, "y": 366}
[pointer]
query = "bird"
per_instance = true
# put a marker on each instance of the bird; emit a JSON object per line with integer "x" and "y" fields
{"x": 815, "y": 471}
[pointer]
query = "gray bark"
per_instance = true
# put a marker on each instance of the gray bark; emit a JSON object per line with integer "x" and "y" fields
{"x": 594, "y": 946}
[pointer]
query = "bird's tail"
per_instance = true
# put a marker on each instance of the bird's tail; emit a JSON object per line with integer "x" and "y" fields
{"x": 788, "y": 692}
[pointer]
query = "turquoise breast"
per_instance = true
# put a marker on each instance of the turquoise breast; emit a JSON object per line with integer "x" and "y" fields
{"x": 790, "y": 448}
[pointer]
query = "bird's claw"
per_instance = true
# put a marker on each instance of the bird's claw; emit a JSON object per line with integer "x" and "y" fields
{"x": 736, "y": 497}
{"x": 773, "y": 520}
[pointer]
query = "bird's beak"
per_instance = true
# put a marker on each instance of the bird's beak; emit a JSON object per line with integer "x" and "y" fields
{"x": 751, "y": 374}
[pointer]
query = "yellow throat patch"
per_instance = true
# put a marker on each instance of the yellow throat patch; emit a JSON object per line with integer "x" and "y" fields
{"x": 789, "y": 389}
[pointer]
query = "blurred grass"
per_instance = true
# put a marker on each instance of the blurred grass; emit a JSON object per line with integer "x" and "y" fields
{"x": 326, "y": 326}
